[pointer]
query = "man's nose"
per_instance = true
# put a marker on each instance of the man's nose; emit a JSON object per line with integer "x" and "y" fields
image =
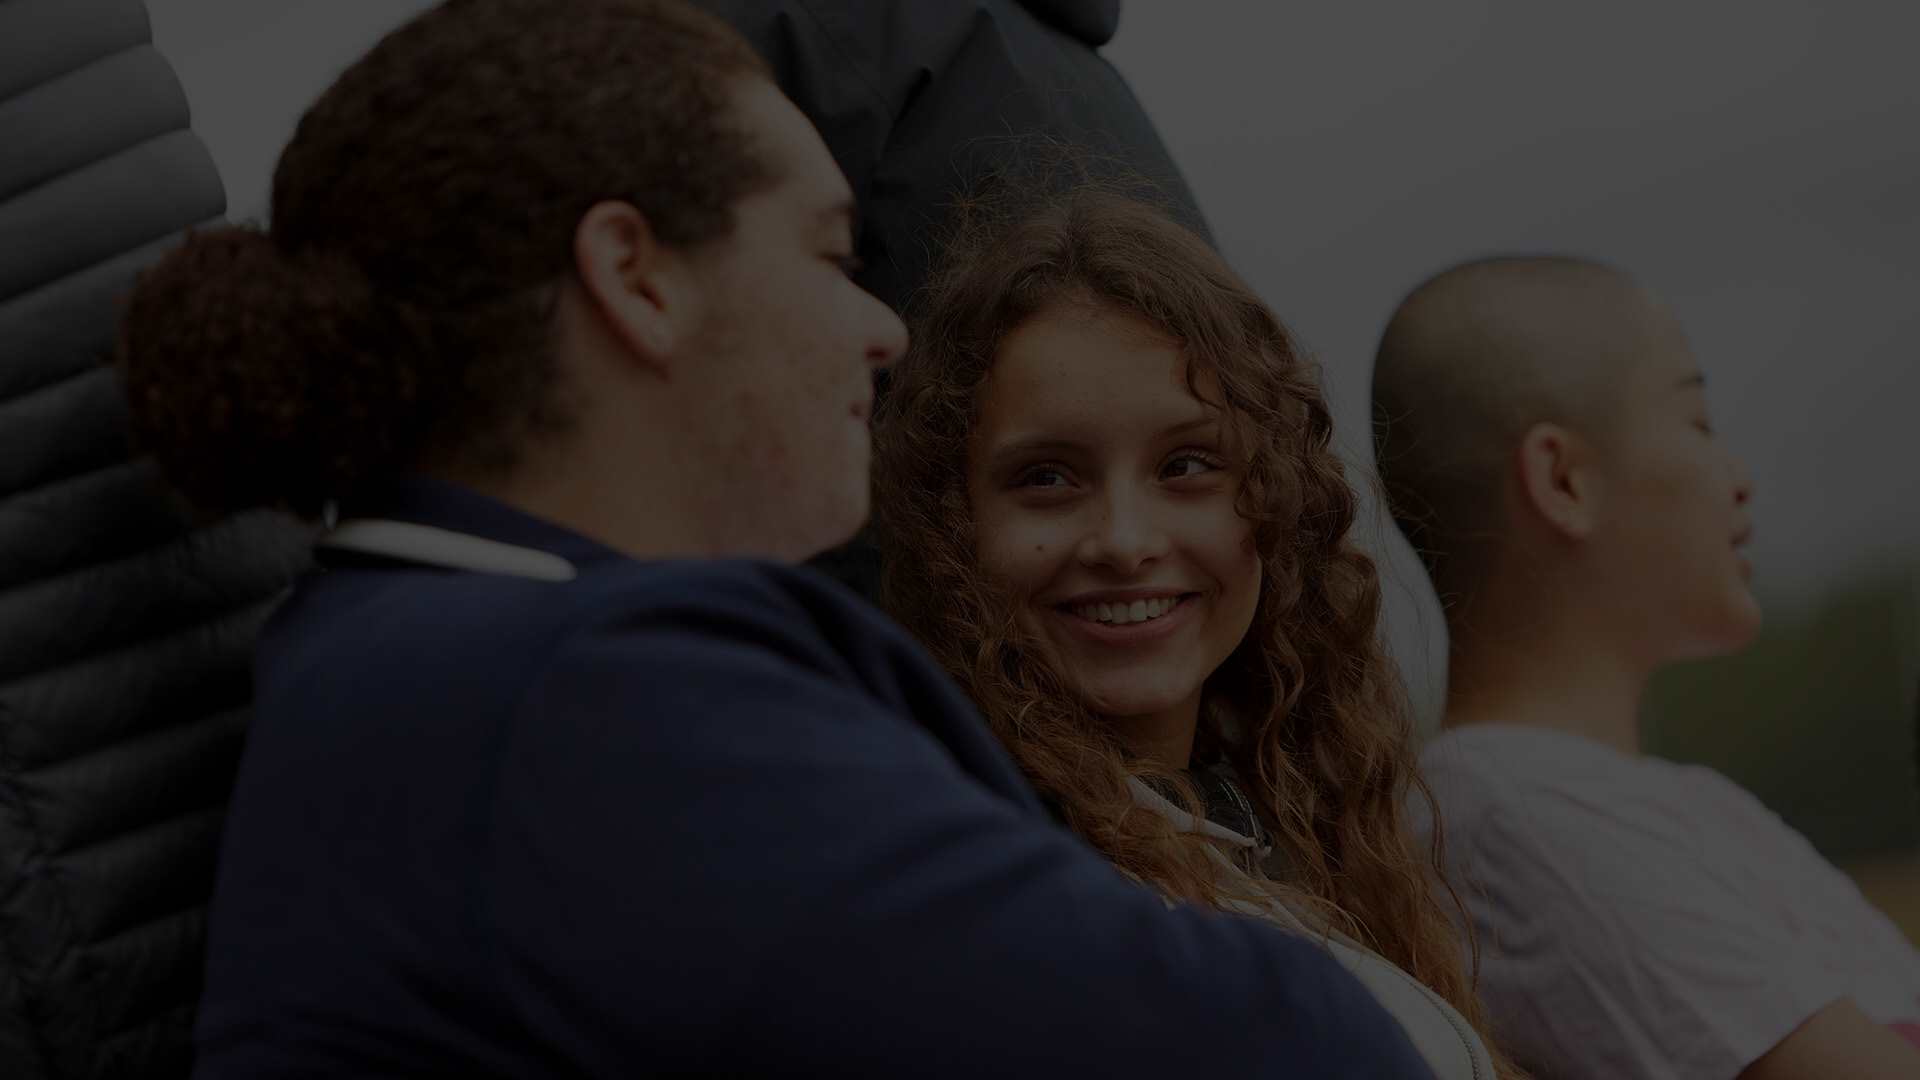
{"x": 887, "y": 341}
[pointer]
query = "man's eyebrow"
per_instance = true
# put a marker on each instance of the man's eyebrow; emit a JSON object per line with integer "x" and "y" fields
{"x": 1697, "y": 379}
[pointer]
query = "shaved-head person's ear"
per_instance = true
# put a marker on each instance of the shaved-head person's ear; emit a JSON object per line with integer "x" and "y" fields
{"x": 642, "y": 289}
{"x": 1557, "y": 483}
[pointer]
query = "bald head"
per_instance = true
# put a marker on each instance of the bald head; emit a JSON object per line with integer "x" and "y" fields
{"x": 1470, "y": 362}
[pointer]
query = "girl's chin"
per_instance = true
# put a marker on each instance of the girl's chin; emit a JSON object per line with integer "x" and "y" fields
{"x": 1127, "y": 701}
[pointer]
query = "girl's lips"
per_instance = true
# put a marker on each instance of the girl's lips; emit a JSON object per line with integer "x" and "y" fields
{"x": 1135, "y": 633}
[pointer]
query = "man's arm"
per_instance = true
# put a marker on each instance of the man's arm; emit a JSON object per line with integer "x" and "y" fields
{"x": 713, "y": 856}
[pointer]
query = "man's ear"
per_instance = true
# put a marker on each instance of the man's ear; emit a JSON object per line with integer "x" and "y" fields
{"x": 640, "y": 287}
{"x": 1558, "y": 481}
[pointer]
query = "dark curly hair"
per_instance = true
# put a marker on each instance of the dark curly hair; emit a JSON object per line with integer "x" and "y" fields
{"x": 1308, "y": 709}
{"x": 397, "y": 314}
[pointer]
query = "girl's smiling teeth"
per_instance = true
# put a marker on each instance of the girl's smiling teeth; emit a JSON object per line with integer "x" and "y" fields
{"x": 1121, "y": 614}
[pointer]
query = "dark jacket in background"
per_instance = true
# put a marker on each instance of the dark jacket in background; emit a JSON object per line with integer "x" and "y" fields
{"x": 916, "y": 98}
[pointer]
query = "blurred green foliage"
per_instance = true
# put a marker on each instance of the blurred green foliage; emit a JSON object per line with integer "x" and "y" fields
{"x": 1818, "y": 718}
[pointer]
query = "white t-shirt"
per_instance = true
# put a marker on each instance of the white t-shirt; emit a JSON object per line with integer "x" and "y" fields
{"x": 1638, "y": 918}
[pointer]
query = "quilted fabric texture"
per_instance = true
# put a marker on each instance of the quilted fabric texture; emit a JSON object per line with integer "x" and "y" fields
{"x": 125, "y": 626}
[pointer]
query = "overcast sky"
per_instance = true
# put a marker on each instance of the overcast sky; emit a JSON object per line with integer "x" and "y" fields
{"x": 1755, "y": 163}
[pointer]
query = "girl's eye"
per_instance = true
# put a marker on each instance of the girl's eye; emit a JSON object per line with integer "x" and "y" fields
{"x": 1190, "y": 463}
{"x": 1043, "y": 476}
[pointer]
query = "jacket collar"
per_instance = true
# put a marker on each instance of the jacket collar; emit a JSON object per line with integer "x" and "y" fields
{"x": 417, "y": 519}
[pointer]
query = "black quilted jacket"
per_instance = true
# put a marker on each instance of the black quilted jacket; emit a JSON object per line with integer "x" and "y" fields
{"x": 125, "y": 626}
{"x": 124, "y": 630}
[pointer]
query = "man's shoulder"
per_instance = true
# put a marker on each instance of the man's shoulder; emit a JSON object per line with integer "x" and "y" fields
{"x": 493, "y": 627}
{"x": 744, "y": 600}
{"x": 750, "y": 588}
{"x": 705, "y": 620}
{"x": 733, "y": 658}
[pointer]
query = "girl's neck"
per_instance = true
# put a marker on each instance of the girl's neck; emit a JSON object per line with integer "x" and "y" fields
{"x": 1164, "y": 739}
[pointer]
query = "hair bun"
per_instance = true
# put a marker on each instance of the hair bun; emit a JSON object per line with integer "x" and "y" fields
{"x": 257, "y": 378}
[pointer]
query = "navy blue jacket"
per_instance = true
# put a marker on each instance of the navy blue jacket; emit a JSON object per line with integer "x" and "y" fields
{"x": 698, "y": 816}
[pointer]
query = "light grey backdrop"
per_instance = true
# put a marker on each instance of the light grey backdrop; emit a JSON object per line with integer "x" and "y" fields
{"x": 1755, "y": 162}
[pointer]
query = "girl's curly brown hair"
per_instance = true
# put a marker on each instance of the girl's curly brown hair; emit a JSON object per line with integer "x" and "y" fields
{"x": 1308, "y": 709}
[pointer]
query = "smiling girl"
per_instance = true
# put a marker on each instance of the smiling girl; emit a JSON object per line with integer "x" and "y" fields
{"x": 1108, "y": 505}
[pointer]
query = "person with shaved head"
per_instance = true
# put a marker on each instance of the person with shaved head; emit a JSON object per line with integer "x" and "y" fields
{"x": 1544, "y": 440}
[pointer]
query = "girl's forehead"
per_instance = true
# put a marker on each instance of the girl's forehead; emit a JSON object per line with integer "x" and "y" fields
{"x": 1079, "y": 356}
{"x": 1119, "y": 403}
